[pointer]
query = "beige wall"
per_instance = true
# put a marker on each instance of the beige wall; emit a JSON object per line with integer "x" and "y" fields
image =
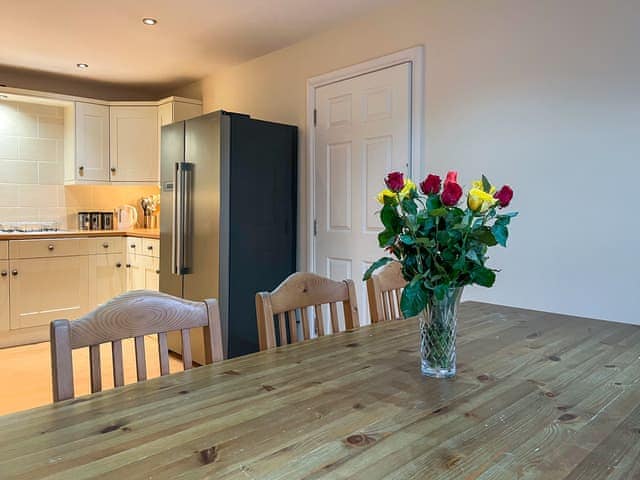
{"x": 31, "y": 170}
{"x": 541, "y": 94}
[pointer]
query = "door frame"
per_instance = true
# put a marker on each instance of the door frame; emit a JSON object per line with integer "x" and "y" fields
{"x": 415, "y": 57}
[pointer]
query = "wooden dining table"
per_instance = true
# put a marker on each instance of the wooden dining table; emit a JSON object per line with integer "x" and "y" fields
{"x": 537, "y": 396}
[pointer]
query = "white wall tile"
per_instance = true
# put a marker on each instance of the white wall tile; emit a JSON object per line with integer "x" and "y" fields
{"x": 18, "y": 172}
{"x": 50, "y": 127}
{"x": 8, "y": 147}
{"x": 40, "y": 109}
{"x": 50, "y": 173}
{"x": 38, "y": 149}
{"x": 39, "y": 196}
{"x": 25, "y": 125}
{"x": 9, "y": 195}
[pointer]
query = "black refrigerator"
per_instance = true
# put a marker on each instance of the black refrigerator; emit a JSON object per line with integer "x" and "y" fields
{"x": 227, "y": 218}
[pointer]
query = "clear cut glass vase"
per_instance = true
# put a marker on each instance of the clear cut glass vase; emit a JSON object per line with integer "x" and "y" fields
{"x": 438, "y": 324}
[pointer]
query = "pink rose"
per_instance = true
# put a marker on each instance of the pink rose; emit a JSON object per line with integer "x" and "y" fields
{"x": 452, "y": 177}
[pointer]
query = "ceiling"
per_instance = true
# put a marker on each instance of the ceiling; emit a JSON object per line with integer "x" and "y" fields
{"x": 191, "y": 39}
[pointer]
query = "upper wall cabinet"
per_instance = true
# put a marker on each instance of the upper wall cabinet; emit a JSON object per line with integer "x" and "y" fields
{"x": 134, "y": 144}
{"x": 91, "y": 144}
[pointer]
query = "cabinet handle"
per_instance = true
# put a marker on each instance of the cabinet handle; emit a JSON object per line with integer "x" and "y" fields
{"x": 105, "y": 245}
{"x": 158, "y": 272}
{"x": 113, "y": 169}
{"x": 14, "y": 272}
{"x": 128, "y": 265}
{"x": 3, "y": 273}
{"x": 50, "y": 247}
{"x": 118, "y": 265}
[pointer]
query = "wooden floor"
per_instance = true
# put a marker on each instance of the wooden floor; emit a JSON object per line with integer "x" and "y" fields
{"x": 25, "y": 372}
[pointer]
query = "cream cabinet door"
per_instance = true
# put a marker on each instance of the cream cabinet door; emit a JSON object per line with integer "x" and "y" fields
{"x": 92, "y": 142}
{"x": 45, "y": 289}
{"x": 135, "y": 272}
{"x": 107, "y": 277}
{"x": 134, "y": 144}
{"x": 4, "y": 296}
{"x": 152, "y": 273}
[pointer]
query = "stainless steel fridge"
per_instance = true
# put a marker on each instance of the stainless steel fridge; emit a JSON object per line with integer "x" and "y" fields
{"x": 227, "y": 218}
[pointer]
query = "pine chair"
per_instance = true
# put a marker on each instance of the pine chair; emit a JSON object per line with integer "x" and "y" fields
{"x": 131, "y": 315}
{"x": 384, "y": 289}
{"x": 296, "y": 294}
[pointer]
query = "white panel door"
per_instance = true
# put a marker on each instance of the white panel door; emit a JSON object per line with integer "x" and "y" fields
{"x": 363, "y": 131}
{"x": 134, "y": 144}
{"x": 92, "y": 142}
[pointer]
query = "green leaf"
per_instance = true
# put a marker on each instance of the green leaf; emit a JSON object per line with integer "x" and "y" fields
{"x": 438, "y": 212}
{"x": 483, "y": 276}
{"x": 440, "y": 291}
{"x": 484, "y": 235}
{"x": 407, "y": 239}
{"x": 508, "y": 215}
{"x": 390, "y": 218}
{"x": 486, "y": 184}
{"x": 500, "y": 233}
{"x": 433, "y": 202}
{"x": 425, "y": 242}
{"x": 374, "y": 266}
{"x": 473, "y": 256}
{"x": 414, "y": 298}
{"x": 409, "y": 206}
{"x": 386, "y": 238}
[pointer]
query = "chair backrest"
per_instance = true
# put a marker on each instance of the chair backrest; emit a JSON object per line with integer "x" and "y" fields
{"x": 384, "y": 290}
{"x": 298, "y": 292}
{"x": 131, "y": 315}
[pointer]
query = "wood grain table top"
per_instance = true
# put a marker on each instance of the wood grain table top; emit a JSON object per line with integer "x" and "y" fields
{"x": 537, "y": 396}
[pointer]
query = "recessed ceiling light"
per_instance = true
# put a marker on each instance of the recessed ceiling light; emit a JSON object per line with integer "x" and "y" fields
{"x": 149, "y": 21}
{"x": 82, "y": 66}
{"x": 3, "y": 97}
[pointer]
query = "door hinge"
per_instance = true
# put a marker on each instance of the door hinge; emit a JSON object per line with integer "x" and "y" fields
{"x": 315, "y": 228}
{"x": 315, "y": 117}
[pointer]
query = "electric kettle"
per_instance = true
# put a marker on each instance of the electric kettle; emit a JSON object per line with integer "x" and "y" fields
{"x": 127, "y": 216}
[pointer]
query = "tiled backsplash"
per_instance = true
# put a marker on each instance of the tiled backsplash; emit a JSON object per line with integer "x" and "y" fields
{"x": 31, "y": 170}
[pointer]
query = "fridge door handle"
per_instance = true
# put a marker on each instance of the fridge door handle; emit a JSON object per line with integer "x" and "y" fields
{"x": 181, "y": 220}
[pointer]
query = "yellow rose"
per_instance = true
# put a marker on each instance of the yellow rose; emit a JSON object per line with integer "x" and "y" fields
{"x": 479, "y": 200}
{"x": 386, "y": 193}
{"x": 478, "y": 184}
{"x": 408, "y": 187}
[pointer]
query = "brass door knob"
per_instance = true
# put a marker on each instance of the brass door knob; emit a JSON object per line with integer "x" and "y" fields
{"x": 105, "y": 245}
{"x": 14, "y": 272}
{"x": 50, "y": 247}
{"x": 113, "y": 169}
{"x": 118, "y": 265}
{"x": 4, "y": 273}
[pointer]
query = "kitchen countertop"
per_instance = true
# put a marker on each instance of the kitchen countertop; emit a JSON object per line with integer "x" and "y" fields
{"x": 136, "y": 232}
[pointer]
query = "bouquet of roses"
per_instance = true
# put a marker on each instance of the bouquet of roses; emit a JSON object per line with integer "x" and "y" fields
{"x": 440, "y": 244}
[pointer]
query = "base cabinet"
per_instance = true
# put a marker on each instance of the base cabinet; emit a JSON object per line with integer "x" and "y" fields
{"x": 4, "y": 296}
{"x": 108, "y": 277}
{"x": 143, "y": 264}
{"x": 45, "y": 289}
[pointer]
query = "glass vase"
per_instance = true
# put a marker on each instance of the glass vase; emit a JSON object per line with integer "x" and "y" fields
{"x": 438, "y": 325}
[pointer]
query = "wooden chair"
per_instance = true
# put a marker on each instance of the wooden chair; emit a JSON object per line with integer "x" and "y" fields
{"x": 298, "y": 292}
{"x": 131, "y": 315}
{"x": 384, "y": 289}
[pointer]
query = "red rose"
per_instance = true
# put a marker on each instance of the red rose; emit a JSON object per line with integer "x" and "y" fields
{"x": 430, "y": 185}
{"x": 394, "y": 181}
{"x": 452, "y": 177}
{"x": 451, "y": 193}
{"x": 504, "y": 196}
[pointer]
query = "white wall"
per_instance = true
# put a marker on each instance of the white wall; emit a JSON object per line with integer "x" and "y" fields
{"x": 544, "y": 95}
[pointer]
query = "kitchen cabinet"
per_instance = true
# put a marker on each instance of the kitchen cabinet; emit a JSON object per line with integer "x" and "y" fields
{"x": 134, "y": 144}
{"x": 143, "y": 264}
{"x": 108, "y": 277}
{"x": 45, "y": 289}
{"x": 4, "y": 296}
{"x": 91, "y": 160}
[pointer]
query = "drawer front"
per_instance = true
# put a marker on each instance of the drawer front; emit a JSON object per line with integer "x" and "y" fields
{"x": 58, "y": 247}
{"x": 151, "y": 247}
{"x": 134, "y": 245}
{"x": 4, "y": 250}
{"x": 107, "y": 245}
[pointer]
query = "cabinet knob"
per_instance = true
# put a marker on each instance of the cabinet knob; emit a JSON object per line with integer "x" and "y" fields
{"x": 128, "y": 265}
{"x": 158, "y": 271}
{"x": 3, "y": 273}
{"x": 118, "y": 265}
{"x": 50, "y": 247}
{"x": 132, "y": 245}
{"x": 105, "y": 245}
{"x": 81, "y": 169}
{"x": 14, "y": 272}
{"x": 113, "y": 169}
{"x": 150, "y": 247}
